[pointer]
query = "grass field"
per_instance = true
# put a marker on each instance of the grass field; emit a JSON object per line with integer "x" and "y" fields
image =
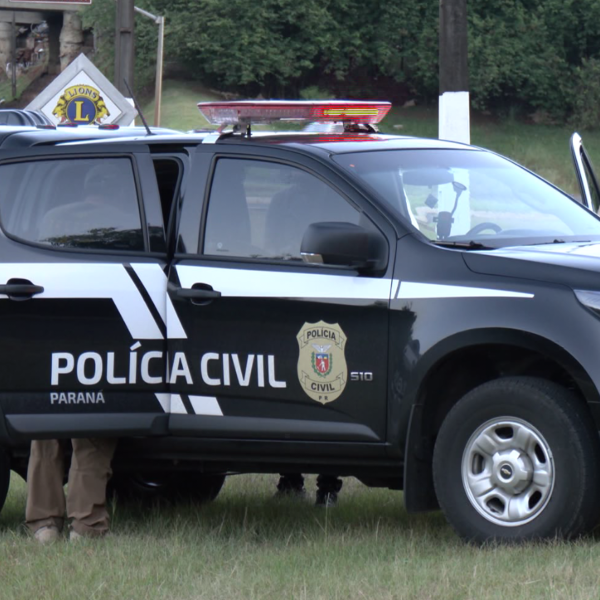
{"x": 247, "y": 545}
{"x": 543, "y": 149}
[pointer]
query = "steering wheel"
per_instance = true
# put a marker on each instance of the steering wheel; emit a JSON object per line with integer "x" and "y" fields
{"x": 482, "y": 227}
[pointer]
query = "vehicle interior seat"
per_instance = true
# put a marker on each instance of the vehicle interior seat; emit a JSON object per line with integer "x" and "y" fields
{"x": 293, "y": 209}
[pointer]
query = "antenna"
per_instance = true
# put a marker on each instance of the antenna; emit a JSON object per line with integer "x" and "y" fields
{"x": 137, "y": 107}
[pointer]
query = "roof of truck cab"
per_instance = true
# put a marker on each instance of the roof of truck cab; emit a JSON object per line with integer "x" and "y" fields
{"x": 329, "y": 143}
{"x": 14, "y": 137}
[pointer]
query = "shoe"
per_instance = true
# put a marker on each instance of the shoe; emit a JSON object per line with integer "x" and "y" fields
{"x": 290, "y": 489}
{"x": 291, "y": 493}
{"x": 47, "y": 535}
{"x": 74, "y": 536}
{"x": 326, "y": 499}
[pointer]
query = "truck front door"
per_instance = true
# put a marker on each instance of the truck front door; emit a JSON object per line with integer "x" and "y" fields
{"x": 276, "y": 349}
{"x": 588, "y": 183}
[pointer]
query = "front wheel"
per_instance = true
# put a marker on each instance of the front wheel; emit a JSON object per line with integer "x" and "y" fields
{"x": 517, "y": 459}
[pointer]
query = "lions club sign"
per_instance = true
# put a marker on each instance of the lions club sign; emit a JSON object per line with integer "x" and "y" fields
{"x": 81, "y": 94}
{"x": 81, "y": 104}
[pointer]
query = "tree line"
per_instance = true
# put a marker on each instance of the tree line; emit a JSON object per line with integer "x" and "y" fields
{"x": 525, "y": 56}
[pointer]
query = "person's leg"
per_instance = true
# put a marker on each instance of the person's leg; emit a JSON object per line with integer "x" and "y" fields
{"x": 88, "y": 476}
{"x": 45, "y": 495}
{"x": 290, "y": 484}
{"x": 328, "y": 487}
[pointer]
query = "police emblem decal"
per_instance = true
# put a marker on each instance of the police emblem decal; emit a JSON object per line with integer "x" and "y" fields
{"x": 81, "y": 104}
{"x": 322, "y": 368}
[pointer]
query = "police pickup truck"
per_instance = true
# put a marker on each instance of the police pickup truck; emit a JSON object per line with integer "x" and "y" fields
{"x": 420, "y": 314}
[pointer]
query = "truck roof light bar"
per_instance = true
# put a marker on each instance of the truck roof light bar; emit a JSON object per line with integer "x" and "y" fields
{"x": 247, "y": 112}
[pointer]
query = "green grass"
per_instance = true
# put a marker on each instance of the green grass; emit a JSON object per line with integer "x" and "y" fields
{"x": 178, "y": 105}
{"x": 541, "y": 148}
{"x": 248, "y": 545}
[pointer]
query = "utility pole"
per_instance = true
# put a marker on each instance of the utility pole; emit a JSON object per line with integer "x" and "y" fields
{"x": 124, "y": 45}
{"x": 454, "y": 122}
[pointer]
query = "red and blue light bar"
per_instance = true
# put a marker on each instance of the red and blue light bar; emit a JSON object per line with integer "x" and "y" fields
{"x": 268, "y": 111}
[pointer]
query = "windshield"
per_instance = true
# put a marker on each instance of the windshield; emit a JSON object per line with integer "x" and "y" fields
{"x": 474, "y": 196}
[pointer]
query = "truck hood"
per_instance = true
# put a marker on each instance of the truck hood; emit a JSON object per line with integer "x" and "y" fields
{"x": 576, "y": 264}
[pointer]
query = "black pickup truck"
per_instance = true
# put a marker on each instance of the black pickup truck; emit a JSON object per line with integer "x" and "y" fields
{"x": 419, "y": 314}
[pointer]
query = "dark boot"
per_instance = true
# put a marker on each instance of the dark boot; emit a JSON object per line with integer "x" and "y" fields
{"x": 291, "y": 485}
{"x": 328, "y": 487}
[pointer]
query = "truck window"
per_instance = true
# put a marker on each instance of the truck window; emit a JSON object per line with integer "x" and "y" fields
{"x": 72, "y": 203}
{"x": 259, "y": 209}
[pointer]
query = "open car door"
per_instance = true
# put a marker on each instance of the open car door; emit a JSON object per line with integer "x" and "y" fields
{"x": 590, "y": 193}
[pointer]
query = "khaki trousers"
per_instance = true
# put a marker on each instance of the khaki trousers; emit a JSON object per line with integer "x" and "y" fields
{"x": 86, "y": 496}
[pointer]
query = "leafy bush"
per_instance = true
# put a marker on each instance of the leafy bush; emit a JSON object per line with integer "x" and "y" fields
{"x": 314, "y": 92}
{"x": 586, "y": 96}
{"x": 100, "y": 16}
{"x": 524, "y": 55}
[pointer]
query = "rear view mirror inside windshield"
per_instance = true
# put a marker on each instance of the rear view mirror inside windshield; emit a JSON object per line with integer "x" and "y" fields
{"x": 427, "y": 177}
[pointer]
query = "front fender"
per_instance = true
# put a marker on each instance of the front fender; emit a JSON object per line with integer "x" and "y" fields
{"x": 419, "y": 492}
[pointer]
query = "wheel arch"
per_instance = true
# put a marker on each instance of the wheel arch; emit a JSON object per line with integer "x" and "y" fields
{"x": 458, "y": 364}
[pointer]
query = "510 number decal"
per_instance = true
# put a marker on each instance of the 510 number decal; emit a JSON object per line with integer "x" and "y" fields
{"x": 361, "y": 376}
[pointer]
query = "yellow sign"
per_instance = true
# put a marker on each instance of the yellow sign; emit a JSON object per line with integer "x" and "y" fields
{"x": 81, "y": 104}
{"x": 322, "y": 368}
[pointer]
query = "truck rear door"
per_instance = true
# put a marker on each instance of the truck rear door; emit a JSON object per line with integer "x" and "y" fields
{"x": 82, "y": 292}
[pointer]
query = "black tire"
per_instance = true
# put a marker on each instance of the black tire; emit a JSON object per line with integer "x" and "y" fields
{"x": 172, "y": 487}
{"x": 547, "y": 486}
{"x": 4, "y": 477}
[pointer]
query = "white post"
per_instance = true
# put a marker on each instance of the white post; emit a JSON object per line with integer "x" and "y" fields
{"x": 454, "y": 117}
{"x": 454, "y": 72}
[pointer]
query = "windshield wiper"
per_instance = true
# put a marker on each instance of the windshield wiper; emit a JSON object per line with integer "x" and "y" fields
{"x": 471, "y": 245}
{"x": 559, "y": 241}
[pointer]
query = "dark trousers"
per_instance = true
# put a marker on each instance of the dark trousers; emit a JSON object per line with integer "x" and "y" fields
{"x": 327, "y": 484}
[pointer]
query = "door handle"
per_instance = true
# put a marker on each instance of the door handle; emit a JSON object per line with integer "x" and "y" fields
{"x": 199, "y": 291}
{"x": 20, "y": 289}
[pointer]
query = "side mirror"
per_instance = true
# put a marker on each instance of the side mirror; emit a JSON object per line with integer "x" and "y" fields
{"x": 344, "y": 244}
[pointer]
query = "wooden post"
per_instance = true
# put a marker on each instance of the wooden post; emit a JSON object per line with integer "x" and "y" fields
{"x": 454, "y": 72}
{"x": 124, "y": 45}
{"x": 54, "y": 29}
{"x": 13, "y": 48}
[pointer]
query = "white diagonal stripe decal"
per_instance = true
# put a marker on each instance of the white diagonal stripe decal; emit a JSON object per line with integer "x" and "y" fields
{"x": 206, "y": 405}
{"x": 154, "y": 280}
{"x": 165, "y": 401}
{"x": 410, "y": 290}
{"x": 177, "y": 406}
